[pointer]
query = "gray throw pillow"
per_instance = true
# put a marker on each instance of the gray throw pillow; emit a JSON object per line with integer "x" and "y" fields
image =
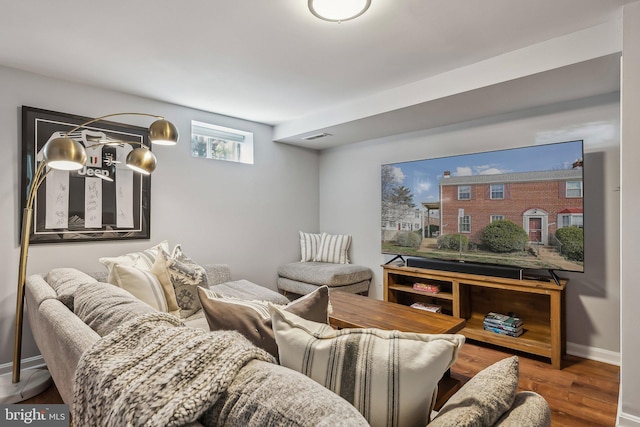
{"x": 483, "y": 399}
{"x": 529, "y": 408}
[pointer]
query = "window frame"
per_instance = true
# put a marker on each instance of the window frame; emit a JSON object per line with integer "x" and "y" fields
{"x": 460, "y": 192}
{"x": 232, "y": 145}
{"x": 464, "y": 225}
{"x": 568, "y": 189}
{"x": 492, "y": 191}
{"x": 571, "y": 220}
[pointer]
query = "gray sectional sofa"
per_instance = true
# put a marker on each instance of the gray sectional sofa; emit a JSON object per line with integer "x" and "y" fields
{"x": 70, "y": 311}
{"x": 261, "y": 393}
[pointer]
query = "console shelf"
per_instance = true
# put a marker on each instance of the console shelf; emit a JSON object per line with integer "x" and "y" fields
{"x": 539, "y": 302}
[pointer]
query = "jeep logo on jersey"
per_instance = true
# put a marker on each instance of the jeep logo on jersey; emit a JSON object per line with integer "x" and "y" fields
{"x": 85, "y": 171}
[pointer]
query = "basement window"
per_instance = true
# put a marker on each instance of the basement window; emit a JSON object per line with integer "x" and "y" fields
{"x": 221, "y": 143}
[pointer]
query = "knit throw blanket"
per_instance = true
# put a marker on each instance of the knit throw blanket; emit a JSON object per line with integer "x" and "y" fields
{"x": 149, "y": 372}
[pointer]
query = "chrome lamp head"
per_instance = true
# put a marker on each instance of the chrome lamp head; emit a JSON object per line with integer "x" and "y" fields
{"x": 163, "y": 132}
{"x": 64, "y": 153}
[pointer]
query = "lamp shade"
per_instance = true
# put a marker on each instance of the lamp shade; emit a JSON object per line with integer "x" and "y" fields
{"x": 338, "y": 10}
{"x": 64, "y": 153}
{"x": 163, "y": 132}
{"x": 141, "y": 160}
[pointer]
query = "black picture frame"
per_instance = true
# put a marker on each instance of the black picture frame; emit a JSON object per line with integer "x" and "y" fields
{"x": 85, "y": 207}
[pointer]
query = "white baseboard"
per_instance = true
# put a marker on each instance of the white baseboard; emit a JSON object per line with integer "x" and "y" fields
{"x": 31, "y": 362}
{"x": 626, "y": 420}
{"x": 592, "y": 353}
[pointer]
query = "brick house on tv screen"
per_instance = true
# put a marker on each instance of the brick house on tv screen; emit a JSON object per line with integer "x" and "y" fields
{"x": 541, "y": 202}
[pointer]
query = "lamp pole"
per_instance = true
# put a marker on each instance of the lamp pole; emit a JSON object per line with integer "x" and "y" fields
{"x": 27, "y": 217}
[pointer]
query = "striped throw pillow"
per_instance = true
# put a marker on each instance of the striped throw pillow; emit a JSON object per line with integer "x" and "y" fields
{"x": 143, "y": 285}
{"x": 333, "y": 248}
{"x": 391, "y": 377}
{"x": 309, "y": 243}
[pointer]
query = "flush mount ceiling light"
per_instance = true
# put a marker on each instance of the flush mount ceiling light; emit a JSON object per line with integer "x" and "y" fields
{"x": 338, "y": 10}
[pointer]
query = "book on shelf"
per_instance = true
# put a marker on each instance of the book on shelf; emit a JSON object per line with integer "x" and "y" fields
{"x": 503, "y": 319}
{"x": 503, "y": 327}
{"x": 434, "y": 308}
{"x": 501, "y": 331}
{"x": 426, "y": 287}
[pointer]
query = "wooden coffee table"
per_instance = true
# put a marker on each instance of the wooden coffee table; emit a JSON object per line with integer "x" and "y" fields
{"x": 357, "y": 311}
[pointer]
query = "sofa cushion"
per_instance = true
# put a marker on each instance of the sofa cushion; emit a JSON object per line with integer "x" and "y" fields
{"x": 333, "y": 248}
{"x": 65, "y": 282}
{"x": 252, "y": 318}
{"x": 391, "y": 377}
{"x": 323, "y": 273}
{"x": 246, "y": 290}
{"x": 104, "y": 307}
{"x": 483, "y": 399}
{"x": 198, "y": 321}
{"x": 142, "y": 284}
{"x": 265, "y": 394}
{"x": 217, "y": 273}
{"x": 309, "y": 243}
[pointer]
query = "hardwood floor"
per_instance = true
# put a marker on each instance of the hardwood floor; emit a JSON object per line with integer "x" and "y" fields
{"x": 583, "y": 393}
{"x": 50, "y": 395}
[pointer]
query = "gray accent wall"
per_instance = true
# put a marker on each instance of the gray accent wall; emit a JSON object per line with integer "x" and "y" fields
{"x": 629, "y": 400}
{"x": 247, "y": 216}
{"x": 350, "y": 199}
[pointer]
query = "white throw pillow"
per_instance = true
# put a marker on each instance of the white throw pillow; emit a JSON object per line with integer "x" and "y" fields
{"x": 333, "y": 248}
{"x": 391, "y": 377}
{"x": 142, "y": 284}
{"x": 143, "y": 260}
{"x": 309, "y": 243}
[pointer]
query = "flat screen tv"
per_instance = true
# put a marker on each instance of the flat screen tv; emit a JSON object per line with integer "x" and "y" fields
{"x": 520, "y": 208}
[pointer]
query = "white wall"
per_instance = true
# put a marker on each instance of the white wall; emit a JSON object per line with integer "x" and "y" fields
{"x": 629, "y": 401}
{"x": 350, "y": 198}
{"x": 222, "y": 212}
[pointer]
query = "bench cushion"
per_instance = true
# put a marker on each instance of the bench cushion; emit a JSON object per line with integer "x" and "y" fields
{"x": 301, "y": 288}
{"x": 324, "y": 273}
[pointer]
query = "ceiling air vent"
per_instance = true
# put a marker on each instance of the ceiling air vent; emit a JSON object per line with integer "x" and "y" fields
{"x": 316, "y": 136}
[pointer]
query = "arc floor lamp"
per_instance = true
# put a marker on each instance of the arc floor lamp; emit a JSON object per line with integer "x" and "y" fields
{"x": 65, "y": 153}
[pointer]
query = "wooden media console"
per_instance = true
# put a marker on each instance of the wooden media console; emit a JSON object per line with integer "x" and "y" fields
{"x": 539, "y": 303}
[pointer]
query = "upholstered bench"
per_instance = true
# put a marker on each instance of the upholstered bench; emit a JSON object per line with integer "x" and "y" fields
{"x": 246, "y": 290}
{"x": 304, "y": 277}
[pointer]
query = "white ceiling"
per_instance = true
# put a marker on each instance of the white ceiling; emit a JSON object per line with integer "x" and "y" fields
{"x": 271, "y": 61}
